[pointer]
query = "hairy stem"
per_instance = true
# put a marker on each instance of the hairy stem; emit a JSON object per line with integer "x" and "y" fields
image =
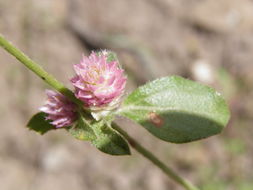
{"x": 37, "y": 69}
{"x": 151, "y": 157}
{"x": 55, "y": 84}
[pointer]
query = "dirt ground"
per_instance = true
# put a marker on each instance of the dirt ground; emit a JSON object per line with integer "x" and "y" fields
{"x": 208, "y": 41}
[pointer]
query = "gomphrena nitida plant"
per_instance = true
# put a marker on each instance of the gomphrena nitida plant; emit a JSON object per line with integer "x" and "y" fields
{"x": 171, "y": 108}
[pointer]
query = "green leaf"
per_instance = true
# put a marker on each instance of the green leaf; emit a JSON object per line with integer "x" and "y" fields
{"x": 82, "y": 130}
{"x": 101, "y": 136}
{"x": 109, "y": 140}
{"x": 177, "y": 110}
{"x": 39, "y": 124}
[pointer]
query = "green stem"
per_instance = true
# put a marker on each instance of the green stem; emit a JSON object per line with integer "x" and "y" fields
{"x": 55, "y": 84}
{"x": 147, "y": 154}
{"x": 37, "y": 69}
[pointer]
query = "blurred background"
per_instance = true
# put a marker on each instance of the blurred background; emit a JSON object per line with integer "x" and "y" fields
{"x": 204, "y": 40}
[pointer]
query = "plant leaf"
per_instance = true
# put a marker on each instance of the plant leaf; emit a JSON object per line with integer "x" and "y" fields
{"x": 109, "y": 140}
{"x": 82, "y": 130}
{"x": 101, "y": 136}
{"x": 177, "y": 110}
{"x": 39, "y": 124}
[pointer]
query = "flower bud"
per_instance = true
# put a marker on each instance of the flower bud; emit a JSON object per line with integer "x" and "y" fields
{"x": 60, "y": 110}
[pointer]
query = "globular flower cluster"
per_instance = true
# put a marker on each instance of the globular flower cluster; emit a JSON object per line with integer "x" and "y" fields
{"x": 59, "y": 109}
{"x": 99, "y": 83}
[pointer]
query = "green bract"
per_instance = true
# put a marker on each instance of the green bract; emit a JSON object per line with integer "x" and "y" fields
{"x": 177, "y": 110}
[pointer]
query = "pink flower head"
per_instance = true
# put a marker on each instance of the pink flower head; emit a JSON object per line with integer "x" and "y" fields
{"x": 99, "y": 81}
{"x": 60, "y": 110}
